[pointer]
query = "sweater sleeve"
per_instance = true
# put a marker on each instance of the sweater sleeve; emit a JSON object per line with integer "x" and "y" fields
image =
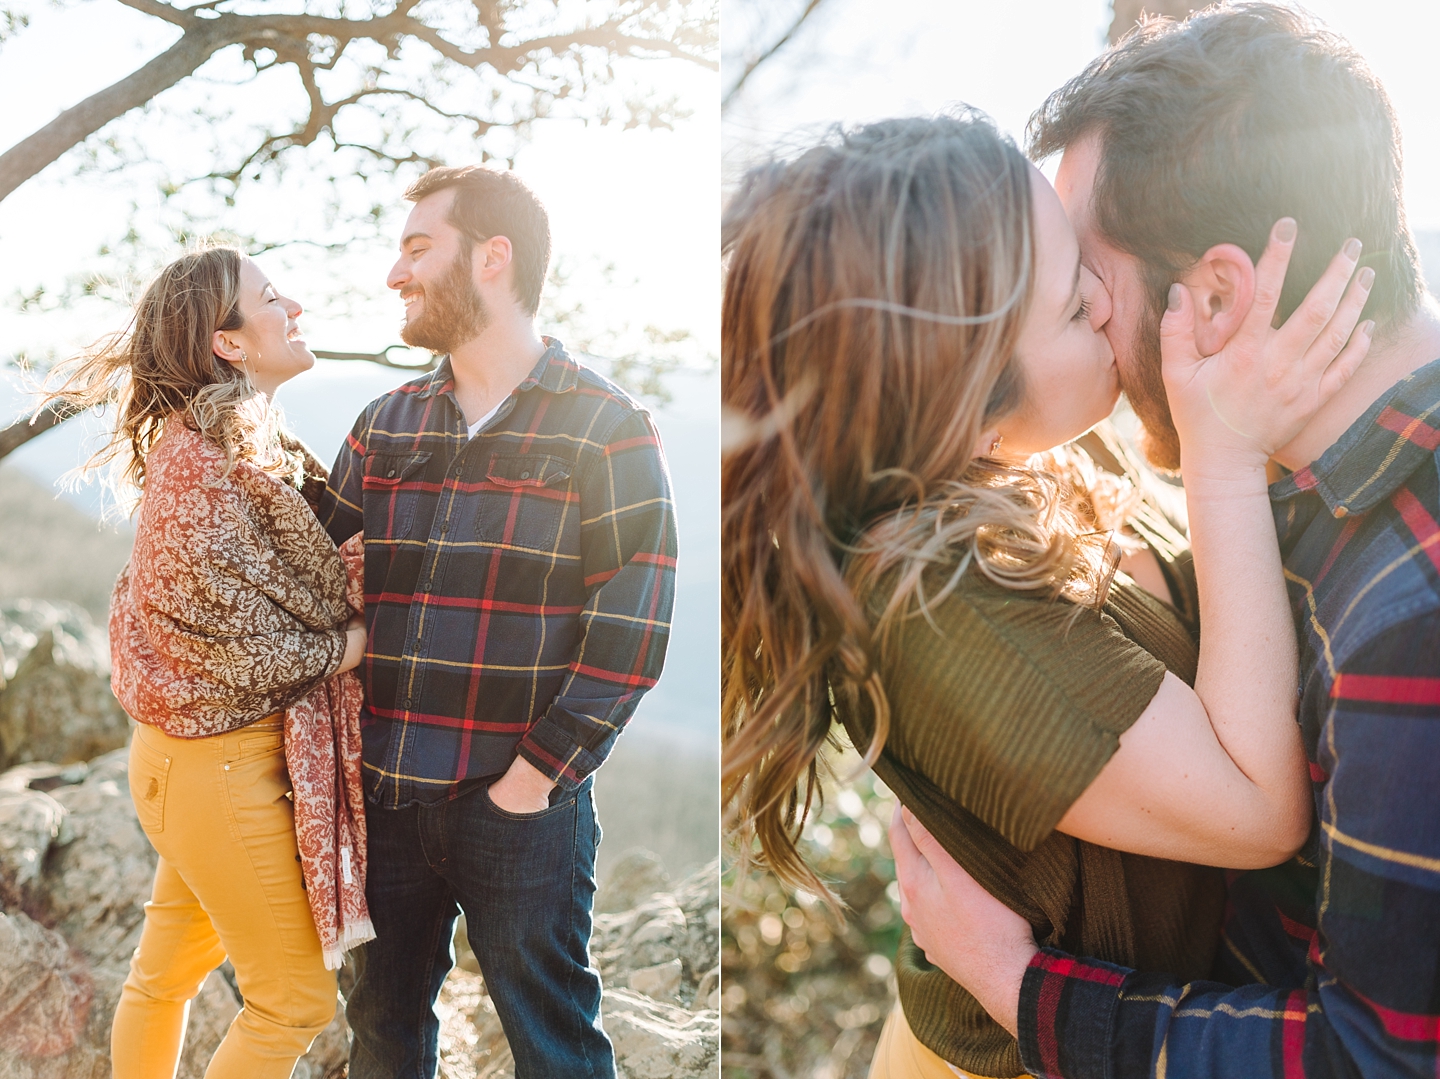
{"x": 1011, "y": 704}
{"x": 1369, "y": 1005}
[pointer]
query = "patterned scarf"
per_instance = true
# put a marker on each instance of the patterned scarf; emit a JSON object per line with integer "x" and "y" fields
{"x": 322, "y": 750}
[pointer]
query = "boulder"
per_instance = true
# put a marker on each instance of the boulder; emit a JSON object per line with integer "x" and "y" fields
{"x": 658, "y": 931}
{"x": 30, "y": 821}
{"x": 660, "y": 982}
{"x": 76, "y": 869}
{"x": 56, "y": 704}
{"x": 84, "y": 868}
{"x": 657, "y": 1041}
{"x": 637, "y": 875}
{"x": 45, "y": 994}
{"x": 652, "y": 1040}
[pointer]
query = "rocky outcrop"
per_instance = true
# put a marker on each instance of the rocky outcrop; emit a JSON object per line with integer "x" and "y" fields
{"x": 56, "y": 703}
{"x": 45, "y": 987}
{"x": 75, "y": 871}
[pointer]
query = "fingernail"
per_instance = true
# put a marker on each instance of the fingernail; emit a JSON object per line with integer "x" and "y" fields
{"x": 1367, "y": 277}
{"x": 1176, "y": 297}
{"x": 1352, "y": 249}
{"x": 1285, "y": 229}
{"x": 1368, "y": 327}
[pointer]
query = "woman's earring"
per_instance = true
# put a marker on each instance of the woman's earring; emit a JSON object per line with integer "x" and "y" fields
{"x": 995, "y": 446}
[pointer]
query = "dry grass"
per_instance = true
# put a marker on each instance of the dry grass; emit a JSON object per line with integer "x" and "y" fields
{"x": 51, "y": 550}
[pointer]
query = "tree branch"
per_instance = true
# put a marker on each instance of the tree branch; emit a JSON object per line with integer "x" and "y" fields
{"x": 162, "y": 10}
{"x": 382, "y": 358}
{"x": 30, "y": 155}
{"x": 779, "y": 43}
{"x": 23, "y": 430}
{"x": 57, "y": 412}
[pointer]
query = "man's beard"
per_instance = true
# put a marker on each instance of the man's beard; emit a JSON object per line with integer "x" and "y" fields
{"x": 1158, "y": 439}
{"x": 453, "y": 311}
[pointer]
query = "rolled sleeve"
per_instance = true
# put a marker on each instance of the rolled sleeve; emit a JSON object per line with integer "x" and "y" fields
{"x": 1370, "y": 1005}
{"x": 628, "y": 550}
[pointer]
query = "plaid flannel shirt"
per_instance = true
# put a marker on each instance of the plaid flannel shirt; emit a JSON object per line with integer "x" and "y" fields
{"x": 1361, "y": 546}
{"x": 518, "y": 585}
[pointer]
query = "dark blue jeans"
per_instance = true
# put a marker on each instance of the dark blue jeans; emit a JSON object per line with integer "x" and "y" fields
{"x": 526, "y": 884}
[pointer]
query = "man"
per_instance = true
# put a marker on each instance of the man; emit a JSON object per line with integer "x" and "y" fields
{"x": 1180, "y": 143}
{"x": 519, "y": 574}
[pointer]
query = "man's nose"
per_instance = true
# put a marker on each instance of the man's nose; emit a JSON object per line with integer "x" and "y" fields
{"x": 398, "y": 275}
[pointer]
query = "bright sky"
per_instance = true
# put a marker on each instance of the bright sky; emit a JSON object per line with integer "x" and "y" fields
{"x": 1005, "y": 58}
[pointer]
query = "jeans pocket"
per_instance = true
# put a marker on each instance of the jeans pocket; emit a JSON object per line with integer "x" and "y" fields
{"x": 567, "y": 802}
{"x": 260, "y": 744}
{"x": 149, "y": 773}
{"x": 256, "y": 783}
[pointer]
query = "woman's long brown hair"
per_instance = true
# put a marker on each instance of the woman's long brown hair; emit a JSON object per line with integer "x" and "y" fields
{"x": 874, "y": 293}
{"x": 163, "y": 365}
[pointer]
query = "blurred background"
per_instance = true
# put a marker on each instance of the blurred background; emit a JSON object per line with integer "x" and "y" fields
{"x": 805, "y": 995}
{"x": 292, "y": 128}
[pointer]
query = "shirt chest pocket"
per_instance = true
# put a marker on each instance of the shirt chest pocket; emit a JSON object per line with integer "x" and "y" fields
{"x": 394, "y": 490}
{"x": 528, "y": 501}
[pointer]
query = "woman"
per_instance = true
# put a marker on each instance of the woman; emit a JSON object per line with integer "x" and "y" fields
{"x": 908, "y": 335}
{"x": 232, "y": 608}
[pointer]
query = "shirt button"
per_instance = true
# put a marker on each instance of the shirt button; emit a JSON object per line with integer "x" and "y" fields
{"x": 524, "y": 475}
{"x": 390, "y": 473}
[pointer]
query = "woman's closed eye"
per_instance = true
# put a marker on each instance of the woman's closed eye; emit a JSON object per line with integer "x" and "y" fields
{"x": 1082, "y": 314}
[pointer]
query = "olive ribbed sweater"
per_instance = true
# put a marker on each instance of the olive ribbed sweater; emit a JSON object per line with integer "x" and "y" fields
{"x": 1002, "y": 712}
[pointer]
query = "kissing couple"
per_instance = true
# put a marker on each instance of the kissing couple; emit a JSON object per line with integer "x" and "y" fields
{"x": 1083, "y": 693}
{"x": 373, "y": 697}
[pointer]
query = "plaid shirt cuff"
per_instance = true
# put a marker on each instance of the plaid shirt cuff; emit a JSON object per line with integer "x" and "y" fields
{"x": 1067, "y": 1010}
{"x": 566, "y": 765}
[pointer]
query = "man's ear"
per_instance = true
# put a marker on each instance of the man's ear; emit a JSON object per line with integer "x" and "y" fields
{"x": 1222, "y": 284}
{"x": 492, "y": 256}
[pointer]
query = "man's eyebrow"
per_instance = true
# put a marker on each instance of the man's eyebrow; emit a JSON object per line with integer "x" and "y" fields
{"x": 416, "y": 236}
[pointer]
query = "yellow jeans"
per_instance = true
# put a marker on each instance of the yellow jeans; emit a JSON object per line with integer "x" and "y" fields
{"x": 899, "y": 1055}
{"x": 228, "y": 884}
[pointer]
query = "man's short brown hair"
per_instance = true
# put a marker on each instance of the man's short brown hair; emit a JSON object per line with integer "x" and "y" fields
{"x": 1214, "y": 128}
{"x": 489, "y": 203}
